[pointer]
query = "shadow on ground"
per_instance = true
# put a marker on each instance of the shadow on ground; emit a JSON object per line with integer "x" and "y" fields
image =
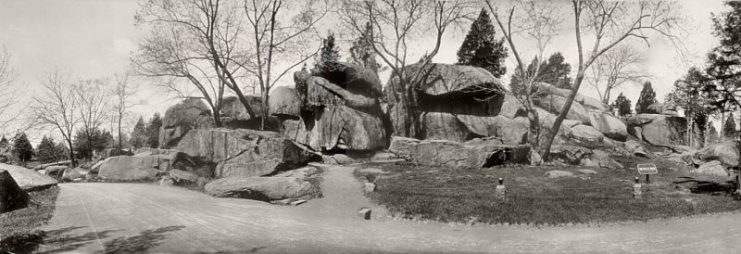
{"x": 145, "y": 240}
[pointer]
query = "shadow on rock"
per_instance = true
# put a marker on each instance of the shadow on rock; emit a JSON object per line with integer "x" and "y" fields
{"x": 706, "y": 187}
{"x": 144, "y": 241}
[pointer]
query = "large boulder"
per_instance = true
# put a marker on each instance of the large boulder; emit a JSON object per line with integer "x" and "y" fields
{"x": 609, "y": 125}
{"x": 509, "y": 131}
{"x": 659, "y": 130}
{"x": 446, "y": 88}
{"x": 130, "y": 168}
{"x": 712, "y": 167}
{"x": 72, "y": 174}
{"x": 725, "y": 152}
{"x": 586, "y": 133}
{"x": 11, "y": 195}
{"x": 243, "y": 152}
{"x": 471, "y": 154}
{"x": 27, "y": 179}
{"x": 189, "y": 114}
{"x": 443, "y": 126}
{"x": 553, "y": 103}
{"x": 284, "y": 101}
{"x": 636, "y": 148}
{"x": 261, "y": 188}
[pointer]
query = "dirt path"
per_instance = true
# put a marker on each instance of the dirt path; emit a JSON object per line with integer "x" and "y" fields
{"x": 139, "y": 217}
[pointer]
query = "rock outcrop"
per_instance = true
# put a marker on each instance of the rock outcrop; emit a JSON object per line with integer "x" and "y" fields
{"x": 261, "y": 188}
{"x": 471, "y": 154}
{"x": 659, "y": 130}
{"x": 189, "y": 114}
{"x": 11, "y": 195}
{"x": 27, "y": 179}
{"x": 243, "y": 152}
{"x": 339, "y": 110}
{"x": 130, "y": 168}
{"x": 724, "y": 152}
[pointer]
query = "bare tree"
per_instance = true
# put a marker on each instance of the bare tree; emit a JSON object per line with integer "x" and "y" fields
{"x": 615, "y": 68}
{"x": 394, "y": 24}
{"x": 611, "y": 23}
{"x": 57, "y": 107}
{"x": 182, "y": 47}
{"x": 532, "y": 21}
{"x": 8, "y": 95}
{"x": 272, "y": 40}
{"x": 123, "y": 90}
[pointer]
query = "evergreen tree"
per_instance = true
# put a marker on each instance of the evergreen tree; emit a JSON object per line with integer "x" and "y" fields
{"x": 327, "y": 62}
{"x": 45, "y": 151}
{"x": 86, "y": 144}
{"x": 362, "y": 53}
{"x": 553, "y": 71}
{"x": 647, "y": 98}
{"x": 729, "y": 128}
{"x": 622, "y": 104}
{"x": 153, "y": 131}
{"x": 3, "y": 142}
{"x": 139, "y": 135}
{"x": 22, "y": 148}
{"x": 481, "y": 49}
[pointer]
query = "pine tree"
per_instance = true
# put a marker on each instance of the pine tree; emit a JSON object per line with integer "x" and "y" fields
{"x": 327, "y": 62}
{"x": 22, "y": 148}
{"x": 96, "y": 141}
{"x": 622, "y": 104}
{"x": 553, "y": 71}
{"x": 3, "y": 142}
{"x": 362, "y": 53}
{"x": 139, "y": 134}
{"x": 45, "y": 151}
{"x": 729, "y": 128}
{"x": 647, "y": 98}
{"x": 481, "y": 49}
{"x": 153, "y": 131}
{"x": 712, "y": 135}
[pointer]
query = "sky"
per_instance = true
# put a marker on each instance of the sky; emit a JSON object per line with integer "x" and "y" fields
{"x": 95, "y": 39}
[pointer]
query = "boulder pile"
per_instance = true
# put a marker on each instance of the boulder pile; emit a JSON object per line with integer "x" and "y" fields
{"x": 659, "y": 129}
{"x": 189, "y": 114}
{"x": 334, "y": 111}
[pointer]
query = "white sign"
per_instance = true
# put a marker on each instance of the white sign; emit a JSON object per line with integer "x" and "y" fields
{"x": 647, "y": 169}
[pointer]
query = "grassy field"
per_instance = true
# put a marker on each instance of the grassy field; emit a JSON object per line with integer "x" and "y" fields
{"x": 17, "y": 227}
{"x": 459, "y": 195}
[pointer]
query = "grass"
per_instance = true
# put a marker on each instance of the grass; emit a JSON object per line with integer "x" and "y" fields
{"x": 17, "y": 227}
{"x": 460, "y": 195}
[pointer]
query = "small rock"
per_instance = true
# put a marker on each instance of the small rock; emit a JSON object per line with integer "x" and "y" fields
{"x": 298, "y": 202}
{"x": 587, "y": 171}
{"x": 558, "y": 173}
{"x": 167, "y": 181}
{"x": 370, "y": 187}
{"x": 286, "y": 201}
{"x": 365, "y": 213}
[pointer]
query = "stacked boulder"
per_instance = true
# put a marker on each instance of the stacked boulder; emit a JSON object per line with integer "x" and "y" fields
{"x": 463, "y": 103}
{"x": 335, "y": 111}
{"x": 189, "y": 114}
{"x": 666, "y": 130}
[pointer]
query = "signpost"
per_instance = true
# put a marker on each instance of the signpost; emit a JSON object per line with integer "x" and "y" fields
{"x": 647, "y": 169}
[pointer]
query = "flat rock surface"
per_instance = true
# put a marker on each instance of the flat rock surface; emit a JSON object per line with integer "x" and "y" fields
{"x": 140, "y": 217}
{"x": 28, "y": 179}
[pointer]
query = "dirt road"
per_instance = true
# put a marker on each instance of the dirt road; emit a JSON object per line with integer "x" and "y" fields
{"x": 140, "y": 217}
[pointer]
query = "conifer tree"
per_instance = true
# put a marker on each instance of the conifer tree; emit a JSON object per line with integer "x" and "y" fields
{"x": 729, "y": 128}
{"x": 139, "y": 134}
{"x": 480, "y": 47}
{"x": 362, "y": 53}
{"x": 153, "y": 131}
{"x": 22, "y": 148}
{"x": 622, "y": 104}
{"x": 647, "y": 97}
{"x": 329, "y": 56}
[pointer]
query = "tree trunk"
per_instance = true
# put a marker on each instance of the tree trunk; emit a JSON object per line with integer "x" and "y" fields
{"x": 71, "y": 153}
{"x": 562, "y": 115}
{"x": 120, "y": 138}
{"x": 265, "y": 110}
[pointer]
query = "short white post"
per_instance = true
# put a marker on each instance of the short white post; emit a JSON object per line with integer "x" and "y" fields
{"x": 501, "y": 190}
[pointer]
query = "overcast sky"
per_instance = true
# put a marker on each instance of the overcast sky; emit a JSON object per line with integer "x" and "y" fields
{"x": 95, "y": 38}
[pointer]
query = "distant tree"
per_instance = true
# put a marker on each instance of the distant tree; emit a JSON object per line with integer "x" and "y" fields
{"x": 688, "y": 94}
{"x": 553, "y": 71}
{"x": 481, "y": 49}
{"x": 153, "y": 131}
{"x": 729, "y": 128}
{"x": 22, "y": 148}
{"x": 614, "y": 69}
{"x": 123, "y": 90}
{"x": 622, "y": 104}
{"x": 361, "y": 51}
{"x": 329, "y": 56}
{"x": 139, "y": 135}
{"x": 57, "y": 107}
{"x": 87, "y": 143}
{"x": 49, "y": 151}
{"x": 3, "y": 142}
{"x": 647, "y": 97}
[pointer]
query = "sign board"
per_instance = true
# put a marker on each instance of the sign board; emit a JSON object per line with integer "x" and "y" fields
{"x": 647, "y": 169}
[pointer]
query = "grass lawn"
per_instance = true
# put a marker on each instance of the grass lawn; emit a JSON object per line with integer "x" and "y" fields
{"x": 461, "y": 195}
{"x": 17, "y": 227}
